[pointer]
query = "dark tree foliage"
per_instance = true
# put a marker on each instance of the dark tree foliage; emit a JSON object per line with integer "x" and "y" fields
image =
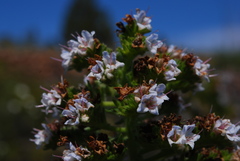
{"x": 86, "y": 15}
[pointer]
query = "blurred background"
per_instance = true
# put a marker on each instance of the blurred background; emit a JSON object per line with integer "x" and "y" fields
{"x": 31, "y": 31}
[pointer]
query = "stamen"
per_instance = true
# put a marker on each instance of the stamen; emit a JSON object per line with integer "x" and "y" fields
{"x": 62, "y": 80}
{"x": 65, "y": 47}
{"x": 56, "y": 59}
{"x": 39, "y": 106}
{"x": 168, "y": 92}
{"x": 78, "y": 34}
{"x": 237, "y": 123}
{"x": 211, "y": 109}
{"x": 213, "y": 75}
{"x": 36, "y": 129}
{"x": 45, "y": 89}
{"x": 60, "y": 108}
{"x": 74, "y": 36}
{"x": 57, "y": 156}
{"x": 206, "y": 60}
{"x": 209, "y": 70}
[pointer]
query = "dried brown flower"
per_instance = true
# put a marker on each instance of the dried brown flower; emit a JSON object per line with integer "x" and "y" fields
{"x": 141, "y": 64}
{"x": 124, "y": 91}
{"x": 190, "y": 59}
{"x": 206, "y": 122}
{"x": 129, "y": 19}
{"x": 156, "y": 63}
{"x": 99, "y": 146}
{"x": 61, "y": 88}
{"x": 62, "y": 140}
{"x": 166, "y": 124}
{"x": 82, "y": 152}
{"x": 163, "y": 49}
{"x": 55, "y": 125}
{"x": 119, "y": 147}
{"x": 236, "y": 155}
{"x": 92, "y": 61}
{"x": 206, "y": 152}
{"x": 121, "y": 26}
{"x": 137, "y": 42}
{"x": 97, "y": 43}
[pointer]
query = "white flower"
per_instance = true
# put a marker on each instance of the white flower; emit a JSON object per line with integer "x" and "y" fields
{"x": 70, "y": 155}
{"x": 226, "y": 128}
{"x": 231, "y": 133}
{"x": 150, "y": 98}
{"x": 67, "y": 57}
{"x": 153, "y": 43}
{"x": 82, "y": 104}
{"x": 110, "y": 60}
{"x": 110, "y": 63}
{"x": 97, "y": 70}
{"x": 84, "y": 118}
{"x": 83, "y": 43}
{"x": 42, "y": 136}
{"x": 72, "y": 114}
{"x": 142, "y": 21}
{"x": 54, "y": 111}
{"x": 149, "y": 102}
{"x": 221, "y": 125}
{"x": 75, "y": 154}
{"x": 172, "y": 70}
{"x": 202, "y": 68}
{"x": 182, "y": 136}
{"x": 52, "y": 98}
{"x": 159, "y": 89}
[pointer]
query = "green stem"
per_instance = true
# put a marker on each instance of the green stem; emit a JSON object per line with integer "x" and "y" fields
{"x": 108, "y": 104}
{"x": 132, "y": 142}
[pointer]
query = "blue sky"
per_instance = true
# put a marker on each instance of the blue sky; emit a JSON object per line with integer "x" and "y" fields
{"x": 192, "y": 24}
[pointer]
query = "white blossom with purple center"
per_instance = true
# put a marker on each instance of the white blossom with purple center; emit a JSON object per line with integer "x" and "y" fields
{"x": 72, "y": 114}
{"x": 202, "y": 69}
{"x": 111, "y": 63}
{"x": 152, "y": 101}
{"x": 70, "y": 155}
{"x": 232, "y": 133}
{"x": 96, "y": 71}
{"x": 172, "y": 70}
{"x": 50, "y": 99}
{"x": 143, "y": 22}
{"x": 159, "y": 89}
{"x": 82, "y": 104}
{"x": 221, "y": 125}
{"x": 149, "y": 103}
{"x": 83, "y": 42}
{"x": 182, "y": 136}
{"x": 153, "y": 43}
{"x": 226, "y": 128}
{"x": 42, "y": 136}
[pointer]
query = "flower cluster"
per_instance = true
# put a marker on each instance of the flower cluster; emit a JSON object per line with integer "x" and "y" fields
{"x": 78, "y": 47}
{"x": 103, "y": 69}
{"x": 226, "y": 128}
{"x": 131, "y": 97}
{"x": 150, "y": 96}
{"x": 183, "y": 136}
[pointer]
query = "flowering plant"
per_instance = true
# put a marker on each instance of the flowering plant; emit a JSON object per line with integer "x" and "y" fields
{"x": 129, "y": 107}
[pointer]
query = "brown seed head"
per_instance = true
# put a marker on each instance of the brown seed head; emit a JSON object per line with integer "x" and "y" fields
{"x": 124, "y": 91}
{"x": 129, "y": 19}
{"x": 98, "y": 146}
